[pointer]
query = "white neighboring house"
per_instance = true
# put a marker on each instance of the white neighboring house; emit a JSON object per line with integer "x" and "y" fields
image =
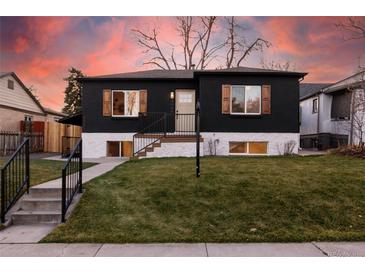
{"x": 18, "y": 104}
{"x": 330, "y": 114}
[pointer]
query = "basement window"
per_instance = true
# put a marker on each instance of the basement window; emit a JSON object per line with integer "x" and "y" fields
{"x": 119, "y": 148}
{"x": 246, "y": 100}
{"x": 252, "y": 147}
{"x": 125, "y": 103}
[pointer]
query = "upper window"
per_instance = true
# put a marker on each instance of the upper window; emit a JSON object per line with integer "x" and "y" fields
{"x": 315, "y": 105}
{"x": 246, "y": 100}
{"x": 125, "y": 103}
{"x": 10, "y": 84}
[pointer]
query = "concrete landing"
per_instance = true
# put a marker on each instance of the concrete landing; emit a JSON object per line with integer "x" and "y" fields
{"x": 25, "y": 233}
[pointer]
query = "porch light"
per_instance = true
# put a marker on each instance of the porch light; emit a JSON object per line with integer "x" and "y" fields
{"x": 172, "y": 95}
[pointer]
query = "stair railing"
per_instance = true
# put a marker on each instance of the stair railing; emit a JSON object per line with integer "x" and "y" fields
{"x": 15, "y": 180}
{"x": 71, "y": 178}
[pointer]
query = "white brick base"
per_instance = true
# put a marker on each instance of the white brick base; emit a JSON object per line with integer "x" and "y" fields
{"x": 275, "y": 141}
{"x": 94, "y": 144}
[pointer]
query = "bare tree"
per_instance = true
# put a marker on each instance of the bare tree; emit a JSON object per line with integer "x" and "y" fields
{"x": 285, "y": 66}
{"x": 237, "y": 46}
{"x": 195, "y": 34}
{"x": 196, "y": 49}
{"x": 353, "y": 28}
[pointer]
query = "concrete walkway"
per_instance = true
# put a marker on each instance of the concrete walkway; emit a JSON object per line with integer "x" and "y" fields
{"x": 185, "y": 250}
{"x": 34, "y": 233}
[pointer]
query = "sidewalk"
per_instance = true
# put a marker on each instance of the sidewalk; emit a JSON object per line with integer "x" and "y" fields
{"x": 26, "y": 234}
{"x": 314, "y": 249}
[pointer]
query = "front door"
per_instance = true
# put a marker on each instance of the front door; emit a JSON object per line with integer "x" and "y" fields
{"x": 185, "y": 110}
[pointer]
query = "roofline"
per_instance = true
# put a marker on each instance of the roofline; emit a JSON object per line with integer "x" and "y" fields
{"x": 85, "y": 79}
{"x": 347, "y": 78}
{"x": 25, "y": 88}
{"x": 278, "y": 72}
{"x": 195, "y": 73}
{"x": 314, "y": 94}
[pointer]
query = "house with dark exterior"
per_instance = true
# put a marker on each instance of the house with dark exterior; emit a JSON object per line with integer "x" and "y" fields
{"x": 242, "y": 111}
{"x": 330, "y": 114}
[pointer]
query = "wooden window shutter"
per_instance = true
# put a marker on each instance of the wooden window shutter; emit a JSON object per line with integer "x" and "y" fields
{"x": 107, "y": 102}
{"x": 143, "y": 101}
{"x": 266, "y": 99}
{"x": 226, "y": 99}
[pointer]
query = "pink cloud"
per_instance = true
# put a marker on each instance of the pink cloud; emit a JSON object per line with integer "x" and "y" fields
{"x": 21, "y": 44}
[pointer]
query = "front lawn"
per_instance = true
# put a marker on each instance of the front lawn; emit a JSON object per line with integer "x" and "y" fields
{"x": 251, "y": 199}
{"x": 45, "y": 170}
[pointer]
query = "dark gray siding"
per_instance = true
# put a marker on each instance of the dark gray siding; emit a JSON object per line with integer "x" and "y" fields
{"x": 284, "y": 105}
{"x": 158, "y": 100}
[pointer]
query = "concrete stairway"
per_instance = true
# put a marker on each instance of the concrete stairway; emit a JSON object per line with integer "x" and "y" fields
{"x": 42, "y": 205}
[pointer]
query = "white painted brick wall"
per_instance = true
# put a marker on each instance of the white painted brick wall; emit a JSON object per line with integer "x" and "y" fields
{"x": 94, "y": 144}
{"x": 275, "y": 141}
{"x": 177, "y": 149}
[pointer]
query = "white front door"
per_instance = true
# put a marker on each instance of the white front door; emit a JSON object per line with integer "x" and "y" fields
{"x": 185, "y": 110}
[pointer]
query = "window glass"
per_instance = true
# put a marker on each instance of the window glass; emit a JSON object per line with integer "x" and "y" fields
{"x": 253, "y": 98}
{"x": 237, "y": 147}
{"x": 132, "y": 103}
{"x": 118, "y": 103}
{"x": 315, "y": 106}
{"x": 258, "y": 147}
{"x": 246, "y": 100}
{"x": 125, "y": 103}
{"x": 10, "y": 84}
{"x": 185, "y": 98}
{"x": 238, "y": 99}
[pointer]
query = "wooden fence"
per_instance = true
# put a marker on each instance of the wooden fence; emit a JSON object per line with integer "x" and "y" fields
{"x": 9, "y": 142}
{"x": 53, "y": 133}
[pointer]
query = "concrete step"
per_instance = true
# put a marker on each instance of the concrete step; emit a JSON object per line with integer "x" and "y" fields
{"x": 35, "y": 192}
{"x": 22, "y": 217}
{"x": 35, "y": 204}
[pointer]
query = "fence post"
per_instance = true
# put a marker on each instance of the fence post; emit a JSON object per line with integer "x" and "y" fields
{"x": 164, "y": 123}
{"x": 63, "y": 195}
{"x": 80, "y": 167}
{"x": 2, "y": 211}
{"x": 27, "y": 173}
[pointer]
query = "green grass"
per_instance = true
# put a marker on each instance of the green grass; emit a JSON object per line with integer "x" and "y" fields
{"x": 251, "y": 199}
{"x": 45, "y": 170}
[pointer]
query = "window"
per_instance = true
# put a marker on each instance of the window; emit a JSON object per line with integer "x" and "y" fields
{"x": 125, "y": 103}
{"x": 248, "y": 147}
{"x": 315, "y": 105}
{"x": 185, "y": 98}
{"x": 246, "y": 100}
{"x": 10, "y": 84}
{"x": 119, "y": 149}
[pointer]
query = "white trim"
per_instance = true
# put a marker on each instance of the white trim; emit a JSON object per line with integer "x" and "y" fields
{"x": 244, "y": 113}
{"x": 124, "y": 92}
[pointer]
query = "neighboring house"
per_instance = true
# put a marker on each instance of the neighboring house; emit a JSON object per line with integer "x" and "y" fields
{"x": 52, "y": 115}
{"x": 327, "y": 116}
{"x": 243, "y": 111}
{"x": 18, "y": 104}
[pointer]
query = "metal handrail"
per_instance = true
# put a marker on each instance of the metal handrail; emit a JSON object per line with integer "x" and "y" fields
{"x": 71, "y": 178}
{"x": 15, "y": 184}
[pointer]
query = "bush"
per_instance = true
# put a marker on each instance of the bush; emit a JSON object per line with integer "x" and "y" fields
{"x": 350, "y": 150}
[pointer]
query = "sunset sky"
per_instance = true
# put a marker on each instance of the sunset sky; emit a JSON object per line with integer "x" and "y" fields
{"x": 41, "y": 49}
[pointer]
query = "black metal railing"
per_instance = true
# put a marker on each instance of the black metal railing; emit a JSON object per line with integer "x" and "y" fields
{"x": 157, "y": 125}
{"x": 15, "y": 178}
{"x": 68, "y": 143}
{"x": 9, "y": 142}
{"x": 71, "y": 177}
